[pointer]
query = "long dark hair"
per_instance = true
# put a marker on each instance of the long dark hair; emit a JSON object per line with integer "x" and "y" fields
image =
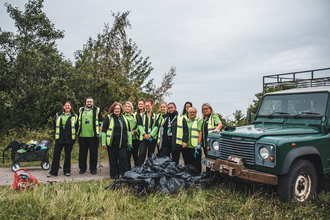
{"x": 184, "y": 107}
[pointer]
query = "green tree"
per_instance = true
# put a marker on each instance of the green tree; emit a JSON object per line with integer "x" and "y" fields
{"x": 111, "y": 69}
{"x": 32, "y": 69}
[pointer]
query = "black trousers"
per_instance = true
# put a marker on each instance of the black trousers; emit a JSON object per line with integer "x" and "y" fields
{"x": 189, "y": 158}
{"x": 56, "y": 158}
{"x": 144, "y": 146}
{"x": 117, "y": 161}
{"x": 85, "y": 144}
{"x": 135, "y": 152}
{"x": 176, "y": 156}
{"x": 165, "y": 151}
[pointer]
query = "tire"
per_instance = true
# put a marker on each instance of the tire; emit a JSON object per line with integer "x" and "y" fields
{"x": 300, "y": 183}
{"x": 15, "y": 166}
{"x": 45, "y": 165}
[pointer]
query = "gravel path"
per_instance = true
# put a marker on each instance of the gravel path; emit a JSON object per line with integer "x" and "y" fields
{"x": 7, "y": 175}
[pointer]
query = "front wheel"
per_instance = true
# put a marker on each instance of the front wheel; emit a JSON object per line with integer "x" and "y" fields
{"x": 45, "y": 165}
{"x": 15, "y": 166}
{"x": 300, "y": 183}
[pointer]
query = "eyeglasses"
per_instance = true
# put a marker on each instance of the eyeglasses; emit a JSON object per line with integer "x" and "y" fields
{"x": 204, "y": 109}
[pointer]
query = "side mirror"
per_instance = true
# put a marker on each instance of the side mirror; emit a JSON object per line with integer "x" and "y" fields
{"x": 248, "y": 117}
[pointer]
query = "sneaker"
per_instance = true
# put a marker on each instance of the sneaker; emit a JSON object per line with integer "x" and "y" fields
{"x": 93, "y": 172}
{"x": 50, "y": 175}
{"x": 67, "y": 174}
{"x": 82, "y": 171}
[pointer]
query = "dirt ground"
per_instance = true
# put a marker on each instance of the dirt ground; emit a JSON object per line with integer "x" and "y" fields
{"x": 7, "y": 175}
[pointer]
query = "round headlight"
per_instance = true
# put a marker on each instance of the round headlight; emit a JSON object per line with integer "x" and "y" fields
{"x": 215, "y": 145}
{"x": 264, "y": 153}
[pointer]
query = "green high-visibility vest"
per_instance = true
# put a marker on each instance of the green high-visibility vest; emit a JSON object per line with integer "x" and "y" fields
{"x": 111, "y": 129}
{"x": 144, "y": 121}
{"x": 194, "y": 133}
{"x": 210, "y": 125}
{"x": 96, "y": 119}
{"x": 179, "y": 130}
{"x": 73, "y": 126}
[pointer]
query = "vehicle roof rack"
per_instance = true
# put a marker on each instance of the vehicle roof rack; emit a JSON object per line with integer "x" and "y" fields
{"x": 301, "y": 79}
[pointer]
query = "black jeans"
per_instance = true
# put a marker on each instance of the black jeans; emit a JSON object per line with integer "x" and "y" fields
{"x": 135, "y": 151}
{"x": 117, "y": 161}
{"x": 176, "y": 156}
{"x": 189, "y": 158}
{"x": 85, "y": 144}
{"x": 56, "y": 158}
{"x": 144, "y": 146}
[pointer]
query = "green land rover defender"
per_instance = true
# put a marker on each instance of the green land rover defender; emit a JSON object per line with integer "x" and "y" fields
{"x": 288, "y": 144}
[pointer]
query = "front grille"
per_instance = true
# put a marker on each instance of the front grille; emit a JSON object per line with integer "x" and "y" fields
{"x": 242, "y": 149}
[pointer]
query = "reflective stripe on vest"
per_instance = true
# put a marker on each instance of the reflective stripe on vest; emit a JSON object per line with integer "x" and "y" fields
{"x": 111, "y": 127}
{"x": 210, "y": 124}
{"x": 144, "y": 118}
{"x": 73, "y": 126}
{"x": 179, "y": 129}
{"x": 194, "y": 133}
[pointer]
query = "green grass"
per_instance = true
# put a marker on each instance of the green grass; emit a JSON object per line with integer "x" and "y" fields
{"x": 89, "y": 200}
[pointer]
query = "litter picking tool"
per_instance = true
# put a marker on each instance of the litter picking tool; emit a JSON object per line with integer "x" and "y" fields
{"x": 47, "y": 181}
{"x": 100, "y": 143}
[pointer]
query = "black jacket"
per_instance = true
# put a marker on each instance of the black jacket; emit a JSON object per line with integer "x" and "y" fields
{"x": 66, "y": 133}
{"x": 168, "y": 141}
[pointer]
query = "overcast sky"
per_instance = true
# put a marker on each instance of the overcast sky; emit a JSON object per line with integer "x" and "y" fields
{"x": 221, "y": 49}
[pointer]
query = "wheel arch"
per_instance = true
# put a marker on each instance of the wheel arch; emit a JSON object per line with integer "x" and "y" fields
{"x": 309, "y": 153}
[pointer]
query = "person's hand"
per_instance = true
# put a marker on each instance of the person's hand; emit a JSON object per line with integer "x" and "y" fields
{"x": 129, "y": 147}
{"x": 100, "y": 134}
{"x": 146, "y": 136}
{"x": 150, "y": 139}
{"x": 133, "y": 132}
{"x": 184, "y": 144}
{"x": 198, "y": 147}
{"x": 104, "y": 147}
{"x": 215, "y": 130}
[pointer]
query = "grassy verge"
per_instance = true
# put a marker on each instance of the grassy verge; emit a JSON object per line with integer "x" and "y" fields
{"x": 89, "y": 200}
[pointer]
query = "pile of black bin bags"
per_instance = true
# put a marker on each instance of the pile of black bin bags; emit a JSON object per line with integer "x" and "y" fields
{"x": 161, "y": 174}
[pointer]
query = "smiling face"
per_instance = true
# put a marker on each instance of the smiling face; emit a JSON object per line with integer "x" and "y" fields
{"x": 128, "y": 108}
{"x": 192, "y": 114}
{"x": 206, "y": 110}
{"x": 67, "y": 107}
{"x": 116, "y": 110}
{"x": 187, "y": 107}
{"x": 148, "y": 107}
{"x": 89, "y": 103}
{"x": 163, "y": 108}
{"x": 171, "y": 108}
{"x": 141, "y": 106}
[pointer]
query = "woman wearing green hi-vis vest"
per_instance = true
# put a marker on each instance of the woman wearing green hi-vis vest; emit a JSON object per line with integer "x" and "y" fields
{"x": 148, "y": 132}
{"x": 211, "y": 123}
{"x": 132, "y": 119}
{"x": 191, "y": 155}
{"x": 65, "y": 126}
{"x": 163, "y": 111}
{"x": 117, "y": 138}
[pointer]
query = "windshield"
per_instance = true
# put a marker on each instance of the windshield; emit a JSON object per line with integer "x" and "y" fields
{"x": 294, "y": 104}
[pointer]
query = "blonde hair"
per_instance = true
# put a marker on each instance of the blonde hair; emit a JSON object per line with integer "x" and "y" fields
{"x": 192, "y": 109}
{"x": 208, "y": 105}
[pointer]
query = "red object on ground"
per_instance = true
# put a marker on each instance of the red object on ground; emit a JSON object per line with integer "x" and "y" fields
{"x": 23, "y": 179}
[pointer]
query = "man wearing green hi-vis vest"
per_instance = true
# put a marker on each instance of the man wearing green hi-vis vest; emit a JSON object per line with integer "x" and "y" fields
{"x": 89, "y": 131}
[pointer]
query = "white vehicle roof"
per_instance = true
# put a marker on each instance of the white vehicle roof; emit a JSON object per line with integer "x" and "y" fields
{"x": 302, "y": 90}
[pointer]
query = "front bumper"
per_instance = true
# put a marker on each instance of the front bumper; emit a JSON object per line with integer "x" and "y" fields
{"x": 234, "y": 169}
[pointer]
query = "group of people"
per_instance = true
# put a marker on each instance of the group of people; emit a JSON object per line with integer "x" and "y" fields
{"x": 126, "y": 133}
